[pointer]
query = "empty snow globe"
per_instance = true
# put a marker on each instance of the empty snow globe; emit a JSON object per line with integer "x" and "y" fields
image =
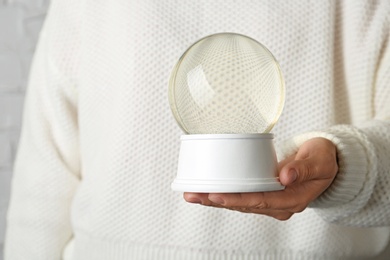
{"x": 226, "y": 93}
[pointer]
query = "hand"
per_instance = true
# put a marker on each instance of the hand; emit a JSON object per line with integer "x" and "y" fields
{"x": 306, "y": 175}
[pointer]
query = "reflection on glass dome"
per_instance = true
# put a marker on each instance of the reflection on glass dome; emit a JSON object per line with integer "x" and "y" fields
{"x": 226, "y": 83}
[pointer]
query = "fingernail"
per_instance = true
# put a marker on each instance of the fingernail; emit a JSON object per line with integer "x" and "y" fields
{"x": 293, "y": 174}
{"x": 194, "y": 200}
{"x": 217, "y": 200}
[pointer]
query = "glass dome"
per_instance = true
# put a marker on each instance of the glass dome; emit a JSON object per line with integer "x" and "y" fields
{"x": 226, "y": 83}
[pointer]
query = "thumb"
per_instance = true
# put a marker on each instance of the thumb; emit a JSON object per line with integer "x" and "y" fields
{"x": 296, "y": 171}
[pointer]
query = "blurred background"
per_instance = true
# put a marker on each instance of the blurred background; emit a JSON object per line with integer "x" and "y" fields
{"x": 20, "y": 23}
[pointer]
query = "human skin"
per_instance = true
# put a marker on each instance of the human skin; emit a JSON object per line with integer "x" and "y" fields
{"x": 306, "y": 175}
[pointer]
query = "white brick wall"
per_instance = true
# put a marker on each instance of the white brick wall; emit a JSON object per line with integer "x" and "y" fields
{"x": 20, "y": 23}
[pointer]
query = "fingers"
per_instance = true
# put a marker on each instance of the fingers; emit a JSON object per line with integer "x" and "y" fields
{"x": 254, "y": 202}
{"x": 286, "y": 200}
{"x": 200, "y": 198}
{"x": 204, "y": 199}
{"x": 195, "y": 197}
{"x": 277, "y": 214}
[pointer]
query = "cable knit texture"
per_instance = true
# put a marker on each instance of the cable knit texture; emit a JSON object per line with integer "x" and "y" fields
{"x": 99, "y": 145}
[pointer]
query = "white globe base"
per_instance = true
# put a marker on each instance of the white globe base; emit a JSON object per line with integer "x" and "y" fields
{"x": 227, "y": 163}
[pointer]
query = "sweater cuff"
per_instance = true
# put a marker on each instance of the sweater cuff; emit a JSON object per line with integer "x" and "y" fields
{"x": 353, "y": 184}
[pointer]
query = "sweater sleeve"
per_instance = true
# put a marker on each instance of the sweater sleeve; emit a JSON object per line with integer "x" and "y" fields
{"x": 360, "y": 193}
{"x": 47, "y": 168}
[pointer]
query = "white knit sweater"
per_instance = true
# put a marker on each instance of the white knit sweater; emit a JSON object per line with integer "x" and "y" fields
{"x": 99, "y": 145}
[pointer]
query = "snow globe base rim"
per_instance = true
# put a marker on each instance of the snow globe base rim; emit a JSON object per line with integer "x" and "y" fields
{"x": 226, "y": 186}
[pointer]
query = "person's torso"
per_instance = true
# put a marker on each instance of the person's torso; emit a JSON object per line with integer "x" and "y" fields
{"x": 130, "y": 141}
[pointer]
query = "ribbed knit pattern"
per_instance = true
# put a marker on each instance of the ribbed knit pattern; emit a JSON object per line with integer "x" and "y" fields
{"x": 99, "y": 145}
